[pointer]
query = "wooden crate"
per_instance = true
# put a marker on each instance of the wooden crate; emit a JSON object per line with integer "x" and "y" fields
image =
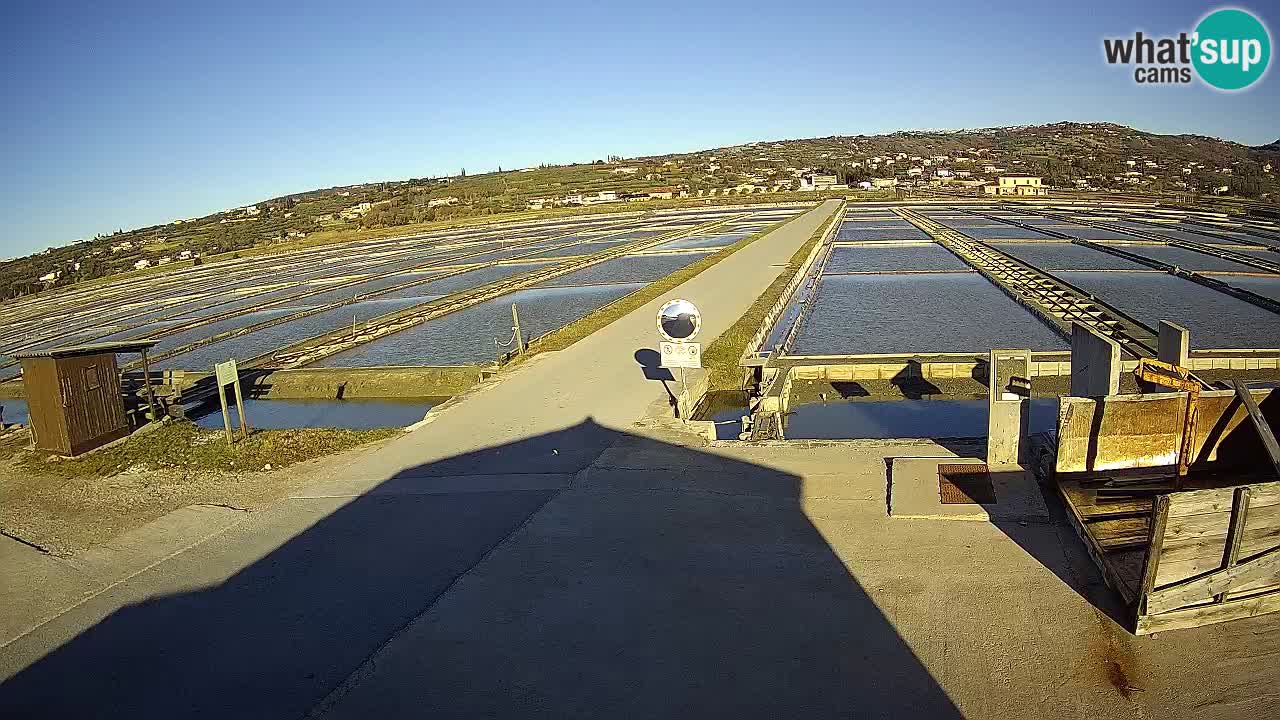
{"x": 1207, "y": 553}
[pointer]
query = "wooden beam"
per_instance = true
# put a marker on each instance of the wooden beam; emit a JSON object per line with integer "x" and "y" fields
{"x": 1239, "y": 514}
{"x": 1207, "y": 614}
{"x": 1259, "y": 423}
{"x": 1155, "y": 544}
{"x": 146, "y": 383}
{"x": 1198, "y": 589}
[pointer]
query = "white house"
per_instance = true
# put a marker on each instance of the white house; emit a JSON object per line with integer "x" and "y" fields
{"x": 815, "y": 181}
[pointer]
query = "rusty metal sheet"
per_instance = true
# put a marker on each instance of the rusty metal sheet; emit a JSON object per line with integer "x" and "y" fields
{"x": 965, "y": 485}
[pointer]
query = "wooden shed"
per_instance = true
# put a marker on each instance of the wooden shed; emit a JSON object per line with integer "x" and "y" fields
{"x": 73, "y": 395}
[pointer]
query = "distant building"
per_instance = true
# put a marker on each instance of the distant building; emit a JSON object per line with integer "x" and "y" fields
{"x": 604, "y": 196}
{"x": 1017, "y": 185}
{"x": 142, "y": 264}
{"x": 815, "y": 182}
{"x": 442, "y": 202}
{"x": 884, "y": 182}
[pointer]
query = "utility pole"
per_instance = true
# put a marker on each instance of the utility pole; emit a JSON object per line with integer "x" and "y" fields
{"x": 515, "y": 327}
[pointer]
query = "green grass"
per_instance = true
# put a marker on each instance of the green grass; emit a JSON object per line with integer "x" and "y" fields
{"x": 186, "y": 448}
{"x": 575, "y": 331}
{"x": 721, "y": 356}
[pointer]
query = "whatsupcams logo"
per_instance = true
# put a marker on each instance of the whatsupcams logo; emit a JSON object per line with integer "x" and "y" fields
{"x": 1229, "y": 50}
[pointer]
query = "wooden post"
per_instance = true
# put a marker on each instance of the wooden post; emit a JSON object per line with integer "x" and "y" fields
{"x": 1187, "y": 444}
{"x": 244, "y": 424}
{"x": 226, "y": 416}
{"x": 1155, "y": 545}
{"x": 1231, "y": 554}
{"x": 146, "y": 384}
{"x": 519, "y": 337}
{"x": 1265, "y": 434}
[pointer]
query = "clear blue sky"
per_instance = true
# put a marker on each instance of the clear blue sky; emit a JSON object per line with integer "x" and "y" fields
{"x": 121, "y": 114}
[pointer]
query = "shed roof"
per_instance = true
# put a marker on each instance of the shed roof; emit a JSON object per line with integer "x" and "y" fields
{"x": 89, "y": 349}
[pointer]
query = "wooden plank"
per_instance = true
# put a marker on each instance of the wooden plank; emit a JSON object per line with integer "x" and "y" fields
{"x": 1159, "y": 518}
{"x": 1119, "y": 531}
{"x": 1190, "y": 528}
{"x": 1234, "y": 609}
{"x": 1141, "y": 431}
{"x": 1253, "y": 540}
{"x": 1231, "y": 555}
{"x": 1126, "y": 565}
{"x": 1199, "y": 589}
{"x": 1221, "y": 500}
{"x": 1085, "y": 501}
{"x": 1184, "y": 563}
{"x": 1096, "y": 553}
{"x": 1259, "y": 423}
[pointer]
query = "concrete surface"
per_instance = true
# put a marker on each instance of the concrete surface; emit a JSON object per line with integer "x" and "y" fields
{"x": 1095, "y": 363}
{"x": 67, "y": 581}
{"x": 1173, "y": 344}
{"x": 914, "y": 493}
{"x": 516, "y": 558}
{"x": 1008, "y": 406}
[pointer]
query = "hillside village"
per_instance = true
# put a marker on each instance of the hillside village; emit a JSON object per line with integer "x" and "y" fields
{"x": 1089, "y": 157}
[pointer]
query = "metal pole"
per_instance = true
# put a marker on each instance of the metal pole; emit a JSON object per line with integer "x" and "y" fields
{"x": 684, "y": 395}
{"x": 146, "y": 383}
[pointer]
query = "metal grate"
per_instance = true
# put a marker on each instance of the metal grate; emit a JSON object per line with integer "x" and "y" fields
{"x": 965, "y": 485}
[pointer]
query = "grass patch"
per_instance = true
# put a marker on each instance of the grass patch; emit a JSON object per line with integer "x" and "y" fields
{"x": 65, "y": 505}
{"x": 186, "y": 448}
{"x": 721, "y": 357}
{"x": 578, "y": 329}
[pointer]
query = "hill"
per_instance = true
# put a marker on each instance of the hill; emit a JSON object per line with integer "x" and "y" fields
{"x": 1090, "y": 156}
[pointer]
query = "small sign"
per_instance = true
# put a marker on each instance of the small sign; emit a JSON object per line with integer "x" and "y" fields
{"x": 681, "y": 355}
{"x": 227, "y": 372}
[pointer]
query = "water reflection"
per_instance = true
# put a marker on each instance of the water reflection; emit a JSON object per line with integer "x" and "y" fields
{"x": 888, "y": 419}
{"x": 346, "y": 414}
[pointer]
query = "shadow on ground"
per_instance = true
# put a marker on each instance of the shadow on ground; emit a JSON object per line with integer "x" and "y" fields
{"x": 694, "y": 590}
